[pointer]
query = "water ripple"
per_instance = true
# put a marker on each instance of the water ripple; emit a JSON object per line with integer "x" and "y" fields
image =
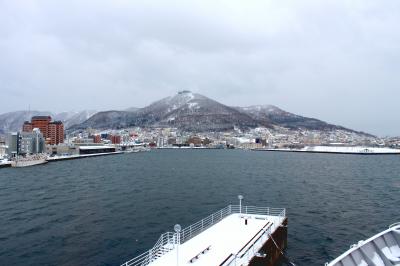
{"x": 105, "y": 210}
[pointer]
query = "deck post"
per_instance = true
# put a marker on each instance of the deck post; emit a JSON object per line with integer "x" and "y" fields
{"x": 240, "y": 197}
{"x": 177, "y": 229}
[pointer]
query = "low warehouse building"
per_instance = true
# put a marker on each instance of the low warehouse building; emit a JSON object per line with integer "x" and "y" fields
{"x": 96, "y": 149}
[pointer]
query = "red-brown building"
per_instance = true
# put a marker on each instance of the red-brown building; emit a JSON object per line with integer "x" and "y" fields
{"x": 53, "y": 132}
{"x": 96, "y": 139}
{"x": 42, "y": 123}
{"x": 115, "y": 139}
{"x": 194, "y": 140}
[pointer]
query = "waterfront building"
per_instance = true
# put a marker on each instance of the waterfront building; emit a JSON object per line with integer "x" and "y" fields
{"x": 115, "y": 139}
{"x": 3, "y": 149}
{"x": 196, "y": 141}
{"x": 161, "y": 142}
{"x": 96, "y": 139}
{"x": 65, "y": 149}
{"x": 42, "y": 123}
{"x": 251, "y": 145}
{"x": 12, "y": 144}
{"x": 31, "y": 142}
{"x": 53, "y": 132}
{"x": 25, "y": 143}
{"x": 152, "y": 145}
{"x": 207, "y": 141}
{"x": 82, "y": 140}
{"x": 96, "y": 149}
{"x": 171, "y": 141}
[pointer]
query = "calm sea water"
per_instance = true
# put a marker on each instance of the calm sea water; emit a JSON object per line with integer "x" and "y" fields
{"x": 105, "y": 210}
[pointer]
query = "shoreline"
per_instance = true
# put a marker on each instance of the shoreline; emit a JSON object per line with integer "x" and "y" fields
{"x": 5, "y": 165}
{"x": 72, "y": 157}
{"x": 346, "y": 152}
{"x": 81, "y": 156}
{"x": 329, "y": 152}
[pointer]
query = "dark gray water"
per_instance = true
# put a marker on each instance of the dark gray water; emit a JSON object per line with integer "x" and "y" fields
{"x": 105, "y": 210}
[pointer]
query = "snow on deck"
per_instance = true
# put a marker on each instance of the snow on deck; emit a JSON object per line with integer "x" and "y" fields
{"x": 224, "y": 238}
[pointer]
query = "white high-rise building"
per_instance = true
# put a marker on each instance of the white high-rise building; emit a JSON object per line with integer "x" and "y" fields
{"x": 25, "y": 143}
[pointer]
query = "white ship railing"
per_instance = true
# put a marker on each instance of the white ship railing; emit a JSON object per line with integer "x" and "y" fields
{"x": 169, "y": 240}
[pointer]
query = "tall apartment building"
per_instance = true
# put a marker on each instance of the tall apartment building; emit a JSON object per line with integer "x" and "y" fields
{"x": 40, "y": 122}
{"x": 53, "y": 132}
{"x": 56, "y": 132}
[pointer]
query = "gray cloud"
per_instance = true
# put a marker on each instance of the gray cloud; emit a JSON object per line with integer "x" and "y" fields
{"x": 334, "y": 60}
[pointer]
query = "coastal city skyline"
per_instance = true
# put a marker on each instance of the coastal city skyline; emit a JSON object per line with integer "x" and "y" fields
{"x": 74, "y": 118}
{"x": 185, "y": 119}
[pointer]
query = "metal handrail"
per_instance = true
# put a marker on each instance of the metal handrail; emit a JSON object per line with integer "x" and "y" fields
{"x": 394, "y": 225}
{"x": 168, "y": 240}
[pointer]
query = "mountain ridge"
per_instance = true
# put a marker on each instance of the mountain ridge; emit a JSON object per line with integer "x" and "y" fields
{"x": 185, "y": 110}
{"x": 195, "y": 112}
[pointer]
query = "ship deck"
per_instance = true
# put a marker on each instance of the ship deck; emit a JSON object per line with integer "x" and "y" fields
{"x": 219, "y": 242}
{"x": 230, "y": 236}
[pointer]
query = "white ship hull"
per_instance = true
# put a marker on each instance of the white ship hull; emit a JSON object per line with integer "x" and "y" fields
{"x": 382, "y": 249}
{"x": 26, "y": 163}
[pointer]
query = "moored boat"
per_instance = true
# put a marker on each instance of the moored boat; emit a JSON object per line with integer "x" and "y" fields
{"x": 4, "y": 163}
{"x": 29, "y": 160}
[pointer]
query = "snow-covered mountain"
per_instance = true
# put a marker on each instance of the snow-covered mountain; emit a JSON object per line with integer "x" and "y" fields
{"x": 108, "y": 119}
{"x": 131, "y": 109}
{"x": 185, "y": 110}
{"x": 274, "y": 115}
{"x": 13, "y": 121}
{"x": 195, "y": 112}
{"x": 72, "y": 118}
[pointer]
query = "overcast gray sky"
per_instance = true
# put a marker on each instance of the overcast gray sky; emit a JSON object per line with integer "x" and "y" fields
{"x": 338, "y": 61}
